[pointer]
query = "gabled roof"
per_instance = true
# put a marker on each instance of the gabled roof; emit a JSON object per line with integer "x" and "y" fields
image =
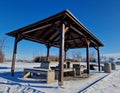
{"x": 47, "y": 32}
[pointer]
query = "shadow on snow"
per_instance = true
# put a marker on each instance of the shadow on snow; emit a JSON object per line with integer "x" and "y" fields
{"x": 18, "y": 78}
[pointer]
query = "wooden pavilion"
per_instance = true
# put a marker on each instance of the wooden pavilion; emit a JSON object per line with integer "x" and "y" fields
{"x": 63, "y": 31}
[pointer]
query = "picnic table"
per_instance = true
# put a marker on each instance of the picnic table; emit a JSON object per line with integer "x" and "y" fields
{"x": 42, "y": 71}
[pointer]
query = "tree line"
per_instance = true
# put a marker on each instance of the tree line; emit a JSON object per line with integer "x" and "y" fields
{"x": 2, "y": 46}
{"x": 76, "y": 56}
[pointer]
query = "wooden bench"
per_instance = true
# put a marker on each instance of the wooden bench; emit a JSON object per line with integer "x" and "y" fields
{"x": 79, "y": 69}
{"x": 43, "y": 72}
{"x": 93, "y": 66}
{"x": 71, "y": 72}
{"x": 75, "y": 70}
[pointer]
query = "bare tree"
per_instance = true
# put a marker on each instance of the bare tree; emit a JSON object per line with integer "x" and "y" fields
{"x": 111, "y": 59}
{"x": 2, "y": 45}
{"x": 76, "y": 55}
{"x": 92, "y": 57}
{"x": 68, "y": 56}
{"x": 104, "y": 58}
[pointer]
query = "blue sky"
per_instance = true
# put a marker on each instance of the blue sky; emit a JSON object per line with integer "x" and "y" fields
{"x": 101, "y": 17}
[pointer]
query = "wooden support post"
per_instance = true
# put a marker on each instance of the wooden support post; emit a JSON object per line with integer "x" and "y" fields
{"x": 48, "y": 52}
{"x": 88, "y": 59}
{"x": 14, "y": 57}
{"x": 65, "y": 55}
{"x": 98, "y": 52}
{"x": 17, "y": 39}
{"x": 61, "y": 56}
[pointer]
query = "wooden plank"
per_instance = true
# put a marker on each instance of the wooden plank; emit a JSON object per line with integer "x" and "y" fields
{"x": 68, "y": 70}
{"x": 49, "y": 74}
{"x": 36, "y": 71}
{"x": 26, "y": 74}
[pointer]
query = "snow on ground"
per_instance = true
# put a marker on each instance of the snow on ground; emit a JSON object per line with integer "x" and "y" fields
{"x": 17, "y": 84}
{"x": 110, "y": 84}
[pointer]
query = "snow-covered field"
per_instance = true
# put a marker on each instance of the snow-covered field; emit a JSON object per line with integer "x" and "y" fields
{"x": 110, "y": 84}
{"x": 17, "y": 84}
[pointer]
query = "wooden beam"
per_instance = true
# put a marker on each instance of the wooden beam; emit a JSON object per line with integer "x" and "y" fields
{"x": 50, "y": 35}
{"x": 98, "y": 53}
{"x": 43, "y": 32}
{"x": 69, "y": 40}
{"x": 34, "y": 39}
{"x": 54, "y": 36}
{"x": 65, "y": 56}
{"x": 55, "y": 28}
{"x": 61, "y": 56}
{"x": 66, "y": 29}
{"x": 18, "y": 38}
{"x": 48, "y": 52}
{"x": 41, "y": 27}
{"x": 73, "y": 40}
{"x": 67, "y": 34}
{"x": 76, "y": 30}
{"x": 54, "y": 33}
{"x": 57, "y": 37}
{"x": 88, "y": 58}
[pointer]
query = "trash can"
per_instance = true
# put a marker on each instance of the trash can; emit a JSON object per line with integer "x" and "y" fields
{"x": 113, "y": 66}
{"x": 65, "y": 66}
{"x": 102, "y": 68}
{"x": 68, "y": 64}
{"x": 77, "y": 70}
{"x": 107, "y": 67}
